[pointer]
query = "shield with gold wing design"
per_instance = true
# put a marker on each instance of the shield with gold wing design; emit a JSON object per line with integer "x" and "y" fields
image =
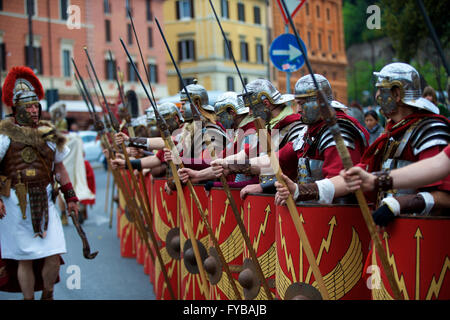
{"x": 127, "y": 229}
{"x": 191, "y": 283}
{"x": 418, "y": 250}
{"x": 166, "y": 213}
{"x": 339, "y": 240}
{"x": 226, "y": 230}
{"x": 259, "y": 221}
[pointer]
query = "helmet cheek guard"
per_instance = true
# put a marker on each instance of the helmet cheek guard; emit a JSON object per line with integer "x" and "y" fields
{"x": 311, "y": 112}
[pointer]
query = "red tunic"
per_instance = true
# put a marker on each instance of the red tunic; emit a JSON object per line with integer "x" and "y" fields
{"x": 332, "y": 163}
{"x": 371, "y": 160}
{"x": 90, "y": 176}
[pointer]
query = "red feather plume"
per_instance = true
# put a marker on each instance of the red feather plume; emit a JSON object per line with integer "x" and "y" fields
{"x": 18, "y": 73}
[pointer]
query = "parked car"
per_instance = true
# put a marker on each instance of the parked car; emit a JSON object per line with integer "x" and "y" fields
{"x": 91, "y": 146}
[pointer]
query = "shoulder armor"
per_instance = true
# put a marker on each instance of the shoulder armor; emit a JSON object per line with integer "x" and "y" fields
{"x": 216, "y": 134}
{"x": 428, "y": 133}
{"x": 350, "y": 133}
{"x": 291, "y": 132}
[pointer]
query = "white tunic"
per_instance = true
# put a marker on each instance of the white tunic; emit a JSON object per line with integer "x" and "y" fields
{"x": 17, "y": 240}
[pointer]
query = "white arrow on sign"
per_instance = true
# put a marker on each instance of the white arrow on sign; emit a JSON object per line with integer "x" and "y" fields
{"x": 292, "y": 52}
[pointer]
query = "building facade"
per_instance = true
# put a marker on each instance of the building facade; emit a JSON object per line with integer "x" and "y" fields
{"x": 200, "y": 50}
{"x": 62, "y": 28}
{"x": 320, "y": 26}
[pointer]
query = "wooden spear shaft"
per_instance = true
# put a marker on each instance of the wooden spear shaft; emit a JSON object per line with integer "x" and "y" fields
{"x": 243, "y": 231}
{"x": 167, "y": 140}
{"x": 347, "y": 163}
{"x": 212, "y": 236}
{"x": 329, "y": 116}
{"x": 293, "y": 211}
{"x": 148, "y": 217}
{"x": 184, "y": 209}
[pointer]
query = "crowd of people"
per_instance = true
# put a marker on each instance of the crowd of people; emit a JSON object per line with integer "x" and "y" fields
{"x": 389, "y": 145}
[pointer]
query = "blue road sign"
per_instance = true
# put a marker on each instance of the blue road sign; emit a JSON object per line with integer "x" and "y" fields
{"x": 285, "y": 53}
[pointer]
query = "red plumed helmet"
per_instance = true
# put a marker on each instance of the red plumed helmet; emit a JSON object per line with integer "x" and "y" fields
{"x": 21, "y": 87}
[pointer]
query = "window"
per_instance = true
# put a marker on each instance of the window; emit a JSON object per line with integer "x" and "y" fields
{"x": 106, "y": 7}
{"x": 1, "y": 5}
{"x": 226, "y": 52}
{"x": 230, "y": 84}
{"x": 63, "y": 5}
{"x": 36, "y": 61}
{"x": 33, "y": 6}
{"x": 131, "y": 74}
{"x": 110, "y": 69}
{"x": 319, "y": 39}
{"x": 244, "y": 51}
{"x": 307, "y": 9}
{"x": 328, "y": 14}
{"x": 150, "y": 37}
{"x": 241, "y": 12}
{"x": 309, "y": 40}
{"x": 128, "y": 7}
{"x": 330, "y": 43}
{"x": 2, "y": 56}
{"x": 225, "y": 9}
{"x": 257, "y": 15}
{"x": 187, "y": 81}
{"x": 129, "y": 34}
{"x": 153, "y": 72}
{"x": 318, "y": 11}
{"x": 108, "y": 30}
{"x": 184, "y": 9}
{"x": 186, "y": 50}
{"x": 67, "y": 71}
{"x": 259, "y": 53}
{"x": 148, "y": 10}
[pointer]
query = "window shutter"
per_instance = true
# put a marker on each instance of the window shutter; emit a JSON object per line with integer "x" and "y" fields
{"x": 192, "y": 9}
{"x": 177, "y": 9}
{"x": 180, "y": 51}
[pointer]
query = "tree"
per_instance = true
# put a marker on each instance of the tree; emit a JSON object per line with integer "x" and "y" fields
{"x": 406, "y": 27}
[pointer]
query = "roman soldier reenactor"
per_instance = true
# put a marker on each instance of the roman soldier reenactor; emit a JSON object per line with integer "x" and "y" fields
{"x": 235, "y": 118}
{"x": 415, "y": 131}
{"x": 268, "y": 103}
{"x": 315, "y": 155}
{"x": 31, "y": 153}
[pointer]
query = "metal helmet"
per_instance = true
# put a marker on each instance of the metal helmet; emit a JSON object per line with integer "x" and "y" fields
{"x": 168, "y": 111}
{"x": 150, "y": 115}
{"x": 151, "y": 122}
{"x": 225, "y": 101}
{"x": 187, "y": 112}
{"x": 20, "y": 89}
{"x": 405, "y": 77}
{"x": 306, "y": 89}
{"x": 261, "y": 89}
{"x": 197, "y": 92}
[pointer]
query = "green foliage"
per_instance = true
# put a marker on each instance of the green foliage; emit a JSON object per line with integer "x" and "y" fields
{"x": 355, "y": 22}
{"x": 360, "y": 80}
{"x": 406, "y": 26}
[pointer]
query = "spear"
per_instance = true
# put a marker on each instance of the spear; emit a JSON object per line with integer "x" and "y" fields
{"x": 138, "y": 218}
{"x": 278, "y": 173}
{"x": 329, "y": 116}
{"x": 165, "y": 134}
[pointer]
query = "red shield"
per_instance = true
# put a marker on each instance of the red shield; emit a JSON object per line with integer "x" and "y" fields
{"x": 339, "y": 240}
{"x": 166, "y": 215}
{"x": 191, "y": 284}
{"x": 259, "y": 221}
{"x": 229, "y": 237}
{"x": 418, "y": 250}
{"x": 127, "y": 228}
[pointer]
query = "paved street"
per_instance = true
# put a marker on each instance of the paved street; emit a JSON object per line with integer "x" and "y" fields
{"x": 108, "y": 276}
